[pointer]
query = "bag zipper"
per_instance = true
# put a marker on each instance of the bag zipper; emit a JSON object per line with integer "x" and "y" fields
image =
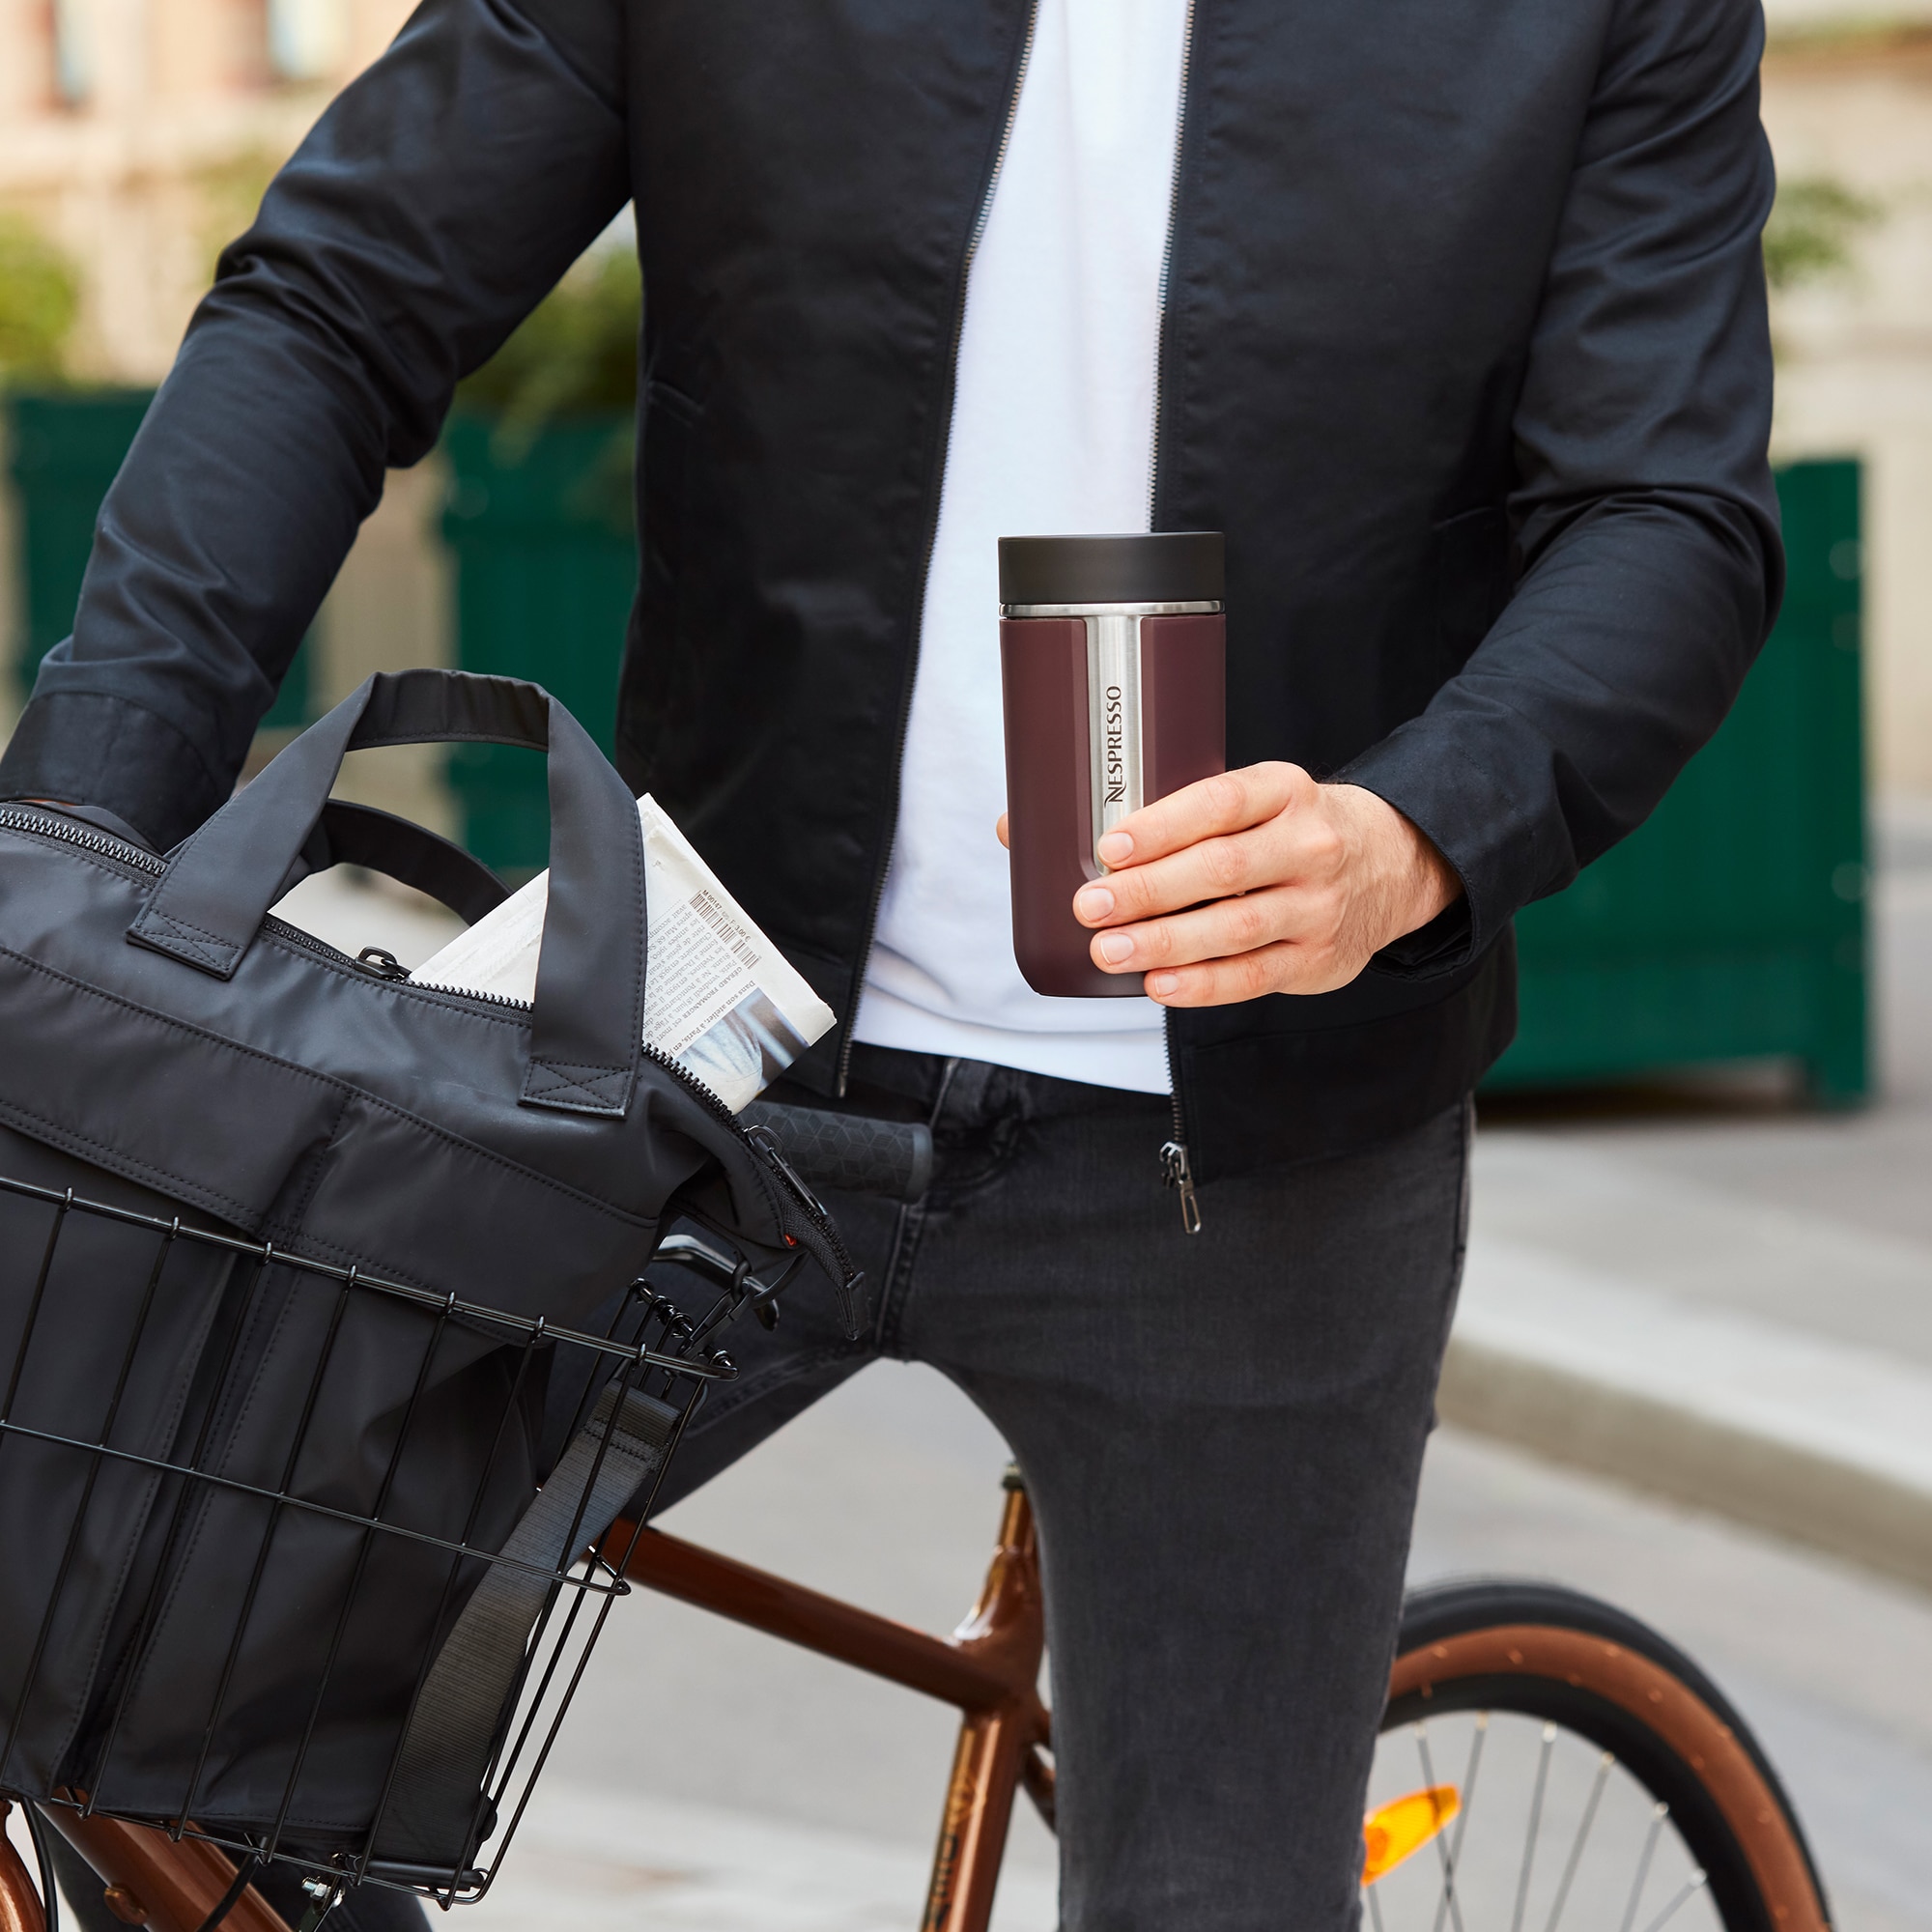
{"x": 759, "y": 1140}
{"x": 52, "y": 825}
{"x": 137, "y": 859}
{"x": 973, "y": 240}
{"x": 1176, "y": 1169}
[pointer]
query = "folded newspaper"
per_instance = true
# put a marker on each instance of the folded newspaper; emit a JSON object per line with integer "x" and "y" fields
{"x": 720, "y": 998}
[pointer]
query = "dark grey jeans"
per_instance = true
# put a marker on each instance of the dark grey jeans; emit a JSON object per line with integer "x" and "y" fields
{"x": 1221, "y": 1435}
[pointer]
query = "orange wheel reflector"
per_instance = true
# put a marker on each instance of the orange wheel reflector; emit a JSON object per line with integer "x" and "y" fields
{"x": 1405, "y": 1824}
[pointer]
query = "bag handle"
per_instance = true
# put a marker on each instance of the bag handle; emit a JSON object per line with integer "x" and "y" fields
{"x": 379, "y": 841}
{"x": 587, "y": 1031}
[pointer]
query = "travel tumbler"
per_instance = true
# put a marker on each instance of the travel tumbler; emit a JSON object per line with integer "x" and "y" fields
{"x": 1113, "y": 667}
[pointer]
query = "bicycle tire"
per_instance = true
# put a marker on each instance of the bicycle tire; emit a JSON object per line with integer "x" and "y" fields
{"x": 1580, "y": 1667}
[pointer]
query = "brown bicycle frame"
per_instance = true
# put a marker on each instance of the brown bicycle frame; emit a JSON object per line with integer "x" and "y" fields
{"x": 988, "y": 1669}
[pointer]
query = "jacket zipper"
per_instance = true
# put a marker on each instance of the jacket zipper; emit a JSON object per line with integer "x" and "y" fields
{"x": 53, "y": 826}
{"x": 1175, "y": 1167}
{"x": 845, "y": 1042}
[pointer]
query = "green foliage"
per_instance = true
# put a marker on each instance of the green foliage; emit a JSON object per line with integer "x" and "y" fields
{"x": 39, "y": 296}
{"x": 1812, "y": 225}
{"x": 575, "y": 353}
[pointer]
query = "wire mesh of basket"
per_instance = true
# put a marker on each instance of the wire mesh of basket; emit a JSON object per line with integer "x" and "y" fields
{"x": 304, "y": 1561}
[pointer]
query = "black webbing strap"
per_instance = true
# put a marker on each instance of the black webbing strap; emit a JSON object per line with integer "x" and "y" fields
{"x": 459, "y": 1717}
{"x": 358, "y": 834}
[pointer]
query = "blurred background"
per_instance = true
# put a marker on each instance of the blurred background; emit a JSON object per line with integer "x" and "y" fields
{"x": 1692, "y": 1368}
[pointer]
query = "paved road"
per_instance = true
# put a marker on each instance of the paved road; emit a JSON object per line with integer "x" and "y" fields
{"x": 1729, "y": 1195}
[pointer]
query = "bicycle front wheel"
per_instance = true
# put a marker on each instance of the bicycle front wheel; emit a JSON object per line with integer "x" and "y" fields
{"x": 1589, "y": 1779}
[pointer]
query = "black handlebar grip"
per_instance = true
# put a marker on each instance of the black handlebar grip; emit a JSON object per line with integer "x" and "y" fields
{"x": 849, "y": 1154}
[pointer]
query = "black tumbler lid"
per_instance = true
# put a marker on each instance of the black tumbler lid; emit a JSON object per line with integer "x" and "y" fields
{"x": 1167, "y": 567}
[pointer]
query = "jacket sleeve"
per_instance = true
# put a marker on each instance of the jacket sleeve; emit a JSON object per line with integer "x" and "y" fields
{"x": 1643, "y": 502}
{"x": 430, "y": 208}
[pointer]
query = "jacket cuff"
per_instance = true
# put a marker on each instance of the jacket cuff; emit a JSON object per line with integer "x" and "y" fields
{"x": 83, "y": 748}
{"x": 1474, "y": 823}
{"x": 1433, "y": 951}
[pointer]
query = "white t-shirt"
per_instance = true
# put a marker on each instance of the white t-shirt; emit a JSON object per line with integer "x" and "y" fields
{"x": 1052, "y": 434}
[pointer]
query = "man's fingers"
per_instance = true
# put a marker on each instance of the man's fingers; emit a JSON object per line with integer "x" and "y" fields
{"x": 1217, "y": 869}
{"x": 1282, "y": 968}
{"x": 1207, "y": 808}
{"x": 1290, "y": 849}
{"x": 1222, "y": 930}
{"x": 1274, "y": 885}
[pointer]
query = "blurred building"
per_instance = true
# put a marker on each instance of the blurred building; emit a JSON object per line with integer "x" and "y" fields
{"x": 138, "y": 136}
{"x": 1853, "y": 105}
{"x": 139, "y": 133}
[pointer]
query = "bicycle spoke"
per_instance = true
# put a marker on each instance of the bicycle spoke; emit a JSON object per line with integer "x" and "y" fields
{"x": 1604, "y": 1765}
{"x": 1535, "y": 1823}
{"x": 1657, "y": 1819}
{"x": 1449, "y": 1902}
{"x": 1475, "y": 1764}
{"x": 1454, "y": 1853}
{"x": 1694, "y": 1883}
{"x": 1375, "y": 1909}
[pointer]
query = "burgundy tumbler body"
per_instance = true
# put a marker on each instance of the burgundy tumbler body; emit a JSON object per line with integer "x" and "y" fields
{"x": 1114, "y": 674}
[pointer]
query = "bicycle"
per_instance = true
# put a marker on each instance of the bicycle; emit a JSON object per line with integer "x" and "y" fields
{"x": 1542, "y": 1754}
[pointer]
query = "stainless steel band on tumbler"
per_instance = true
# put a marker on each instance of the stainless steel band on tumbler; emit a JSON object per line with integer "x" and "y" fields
{"x": 1115, "y": 737}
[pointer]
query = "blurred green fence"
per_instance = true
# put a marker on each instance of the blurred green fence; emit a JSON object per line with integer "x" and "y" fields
{"x": 1731, "y": 925}
{"x": 546, "y": 570}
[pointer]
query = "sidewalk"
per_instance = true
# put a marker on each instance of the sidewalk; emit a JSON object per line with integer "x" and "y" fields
{"x": 1731, "y": 1306}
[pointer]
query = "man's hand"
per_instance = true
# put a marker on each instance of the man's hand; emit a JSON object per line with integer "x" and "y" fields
{"x": 1259, "y": 881}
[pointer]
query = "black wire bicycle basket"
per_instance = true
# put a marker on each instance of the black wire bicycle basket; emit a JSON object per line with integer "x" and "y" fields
{"x": 301, "y": 1561}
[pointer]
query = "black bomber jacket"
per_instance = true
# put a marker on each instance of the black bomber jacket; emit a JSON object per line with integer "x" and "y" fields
{"x": 1463, "y": 347}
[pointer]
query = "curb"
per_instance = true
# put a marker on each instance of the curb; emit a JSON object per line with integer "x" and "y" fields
{"x": 1769, "y": 1425}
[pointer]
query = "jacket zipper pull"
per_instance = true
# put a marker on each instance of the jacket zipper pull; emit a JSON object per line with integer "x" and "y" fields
{"x": 1176, "y": 1173}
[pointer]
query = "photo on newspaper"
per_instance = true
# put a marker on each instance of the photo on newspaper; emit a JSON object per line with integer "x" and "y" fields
{"x": 720, "y": 998}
